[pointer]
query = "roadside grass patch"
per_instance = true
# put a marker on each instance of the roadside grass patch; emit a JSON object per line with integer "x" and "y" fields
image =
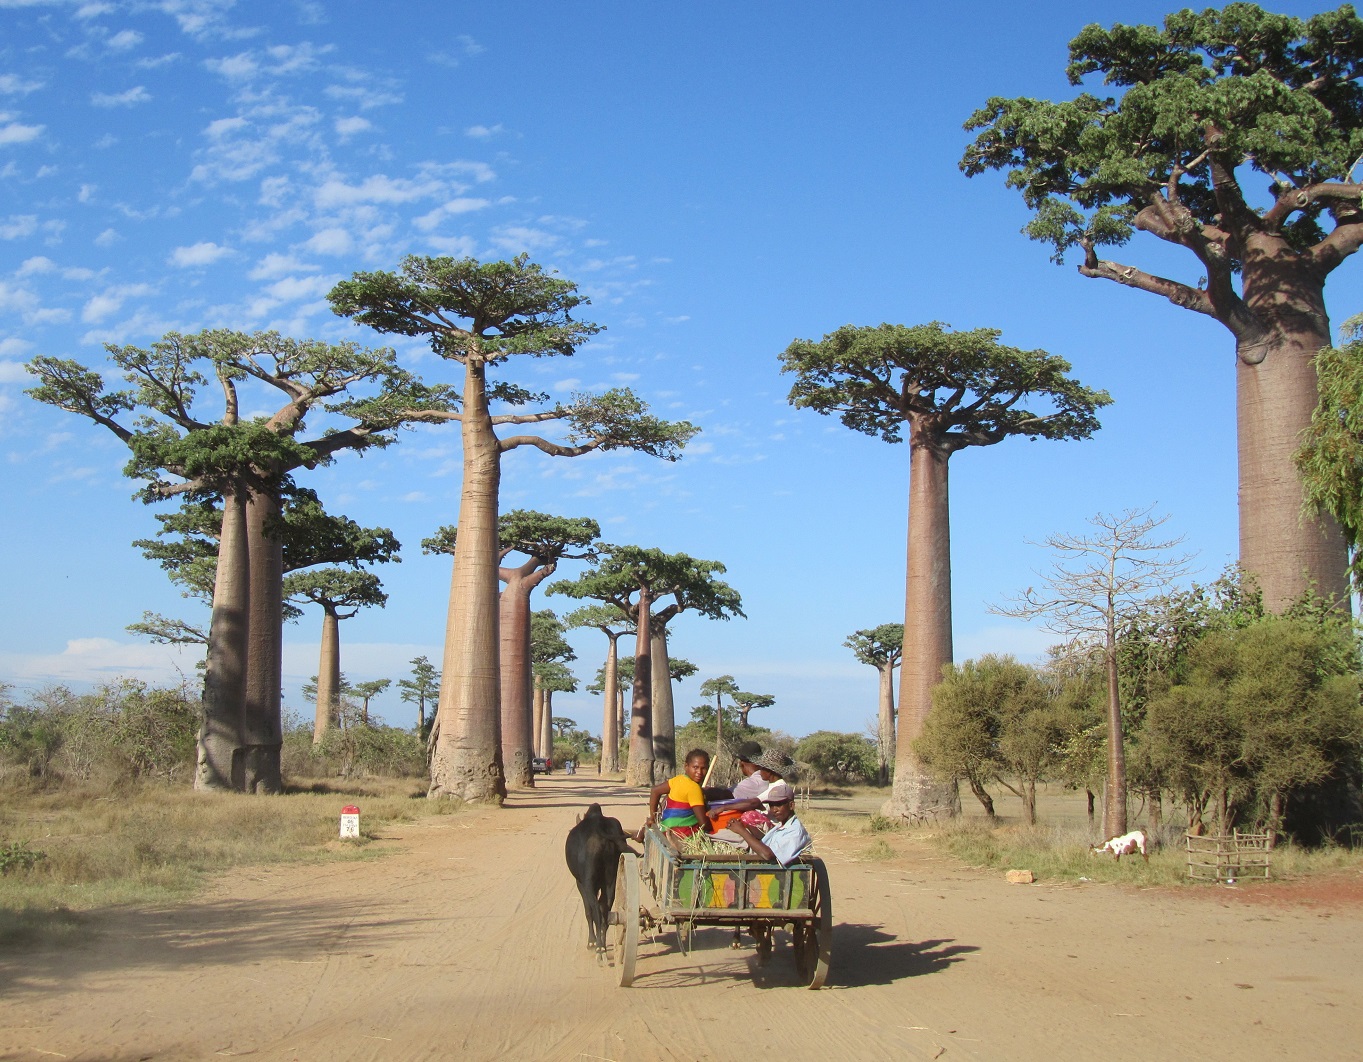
{"x": 1053, "y": 853}
{"x": 155, "y": 844}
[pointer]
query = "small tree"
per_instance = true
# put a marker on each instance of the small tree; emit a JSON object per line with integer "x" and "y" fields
{"x": 613, "y": 623}
{"x": 479, "y": 316}
{"x": 367, "y": 691}
{"x": 421, "y": 689}
{"x": 953, "y": 390}
{"x": 747, "y": 702}
{"x": 1096, "y": 579}
{"x": 549, "y": 656}
{"x": 718, "y": 688}
{"x": 881, "y": 648}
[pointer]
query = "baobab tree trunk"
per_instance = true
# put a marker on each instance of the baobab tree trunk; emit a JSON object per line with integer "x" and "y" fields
{"x": 927, "y": 631}
{"x": 610, "y": 716}
{"x": 1275, "y": 394}
{"x": 885, "y": 726}
{"x": 640, "y": 770}
{"x": 547, "y": 724}
{"x": 467, "y": 760}
{"x": 664, "y": 722}
{"x": 262, "y": 731}
{"x": 537, "y": 717}
{"x": 224, "y": 693}
{"x": 328, "y": 677}
{"x": 517, "y": 736}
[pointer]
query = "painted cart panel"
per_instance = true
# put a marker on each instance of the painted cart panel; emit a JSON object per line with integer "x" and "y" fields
{"x": 723, "y": 884}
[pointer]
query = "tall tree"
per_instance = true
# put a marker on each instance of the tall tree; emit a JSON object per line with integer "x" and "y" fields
{"x": 881, "y": 647}
{"x": 245, "y": 461}
{"x": 1207, "y": 101}
{"x": 614, "y": 624}
{"x": 340, "y": 593}
{"x": 367, "y": 691}
{"x": 543, "y": 540}
{"x": 633, "y": 580}
{"x": 479, "y": 316}
{"x": 718, "y": 688}
{"x": 549, "y": 657}
{"x": 748, "y": 702}
{"x": 421, "y": 689}
{"x": 953, "y": 390}
{"x": 1096, "y": 580}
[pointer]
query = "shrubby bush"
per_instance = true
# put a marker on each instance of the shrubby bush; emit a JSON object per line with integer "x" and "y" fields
{"x": 837, "y": 758}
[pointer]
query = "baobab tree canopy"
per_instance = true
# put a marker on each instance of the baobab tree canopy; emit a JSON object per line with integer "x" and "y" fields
{"x": 1201, "y": 103}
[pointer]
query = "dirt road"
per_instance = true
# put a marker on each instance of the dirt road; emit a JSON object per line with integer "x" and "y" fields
{"x": 466, "y": 941}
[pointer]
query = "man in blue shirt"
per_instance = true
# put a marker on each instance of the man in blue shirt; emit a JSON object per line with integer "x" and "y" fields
{"x": 787, "y": 837}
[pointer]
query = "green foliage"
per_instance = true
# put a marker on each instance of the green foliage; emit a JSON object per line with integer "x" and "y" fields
{"x": 1215, "y": 90}
{"x": 17, "y": 855}
{"x": 422, "y": 688}
{"x": 838, "y": 758}
{"x": 621, "y": 572}
{"x": 341, "y": 592}
{"x": 1331, "y": 455}
{"x": 547, "y": 644}
{"x": 878, "y": 647}
{"x": 877, "y": 378}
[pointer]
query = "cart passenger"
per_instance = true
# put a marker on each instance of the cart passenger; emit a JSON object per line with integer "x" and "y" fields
{"x": 784, "y": 840}
{"x": 770, "y": 768}
{"x": 683, "y": 803}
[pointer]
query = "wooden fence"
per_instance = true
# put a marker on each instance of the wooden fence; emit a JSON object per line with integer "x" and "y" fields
{"x": 1228, "y": 858}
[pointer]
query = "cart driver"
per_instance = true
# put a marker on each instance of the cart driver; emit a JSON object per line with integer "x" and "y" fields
{"x": 784, "y": 840}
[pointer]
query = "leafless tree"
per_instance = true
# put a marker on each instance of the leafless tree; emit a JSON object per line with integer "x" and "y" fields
{"x": 1096, "y": 578}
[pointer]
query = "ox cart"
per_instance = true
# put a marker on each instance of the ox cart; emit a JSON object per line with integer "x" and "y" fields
{"x": 670, "y": 891}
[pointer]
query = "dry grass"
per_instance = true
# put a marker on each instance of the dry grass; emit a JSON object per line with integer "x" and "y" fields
{"x": 157, "y": 844}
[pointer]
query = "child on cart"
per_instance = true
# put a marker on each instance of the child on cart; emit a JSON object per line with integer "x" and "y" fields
{"x": 783, "y": 840}
{"x": 682, "y": 802}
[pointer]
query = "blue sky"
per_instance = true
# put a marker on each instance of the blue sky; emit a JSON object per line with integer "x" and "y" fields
{"x": 719, "y": 178}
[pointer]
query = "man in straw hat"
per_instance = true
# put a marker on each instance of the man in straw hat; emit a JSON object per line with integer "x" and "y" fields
{"x": 784, "y": 840}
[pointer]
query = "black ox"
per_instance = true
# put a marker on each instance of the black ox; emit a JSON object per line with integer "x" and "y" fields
{"x": 593, "y": 851}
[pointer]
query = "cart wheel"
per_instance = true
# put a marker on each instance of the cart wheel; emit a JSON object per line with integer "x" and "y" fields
{"x": 818, "y": 932}
{"x": 625, "y": 942}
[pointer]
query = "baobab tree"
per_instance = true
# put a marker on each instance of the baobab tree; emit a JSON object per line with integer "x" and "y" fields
{"x": 246, "y": 462}
{"x": 550, "y": 654}
{"x": 1200, "y": 105}
{"x": 543, "y": 540}
{"x": 881, "y": 647}
{"x": 340, "y": 593}
{"x": 614, "y": 624}
{"x": 953, "y": 390}
{"x": 421, "y": 689}
{"x": 749, "y": 702}
{"x": 719, "y": 687}
{"x": 633, "y": 580}
{"x": 1096, "y": 581}
{"x": 481, "y": 316}
{"x": 366, "y": 692}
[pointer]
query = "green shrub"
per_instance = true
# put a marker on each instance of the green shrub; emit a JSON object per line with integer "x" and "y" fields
{"x": 17, "y": 855}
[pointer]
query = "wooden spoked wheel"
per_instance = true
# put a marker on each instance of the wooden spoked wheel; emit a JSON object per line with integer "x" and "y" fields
{"x": 814, "y": 938}
{"x": 686, "y": 938}
{"x": 625, "y": 911}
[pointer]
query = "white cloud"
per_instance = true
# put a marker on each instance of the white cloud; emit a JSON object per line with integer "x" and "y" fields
{"x": 350, "y": 126}
{"x": 18, "y": 133}
{"x": 198, "y": 254}
{"x": 291, "y": 289}
{"x": 130, "y": 98}
{"x": 18, "y": 225}
{"x": 14, "y": 85}
{"x": 456, "y": 246}
{"x": 363, "y": 96}
{"x": 13, "y": 372}
{"x": 234, "y": 67}
{"x": 377, "y": 189}
{"x": 123, "y": 40}
{"x": 109, "y": 302}
{"x": 36, "y": 264}
{"x": 277, "y": 265}
{"x": 107, "y": 238}
{"x": 223, "y": 126}
{"x": 330, "y": 241}
{"x": 101, "y": 660}
{"x": 93, "y": 10}
{"x": 517, "y": 238}
{"x": 483, "y": 132}
{"x": 17, "y": 299}
{"x": 459, "y": 205}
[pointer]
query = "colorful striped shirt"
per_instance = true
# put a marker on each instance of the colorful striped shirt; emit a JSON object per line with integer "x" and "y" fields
{"x": 682, "y": 795}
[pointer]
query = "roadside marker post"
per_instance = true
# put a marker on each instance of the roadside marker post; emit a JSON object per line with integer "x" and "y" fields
{"x": 350, "y": 822}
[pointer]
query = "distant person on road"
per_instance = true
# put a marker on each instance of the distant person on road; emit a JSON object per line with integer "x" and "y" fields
{"x": 683, "y": 803}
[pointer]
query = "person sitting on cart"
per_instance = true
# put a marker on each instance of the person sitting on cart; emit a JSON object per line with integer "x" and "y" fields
{"x": 784, "y": 840}
{"x": 769, "y": 769}
{"x": 683, "y": 803}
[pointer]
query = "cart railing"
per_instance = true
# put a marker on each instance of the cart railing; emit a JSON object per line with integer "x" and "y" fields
{"x": 723, "y": 885}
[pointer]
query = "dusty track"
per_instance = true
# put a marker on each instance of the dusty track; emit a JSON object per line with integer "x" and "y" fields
{"x": 467, "y": 941}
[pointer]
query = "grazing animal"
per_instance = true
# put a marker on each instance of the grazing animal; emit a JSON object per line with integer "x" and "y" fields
{"x": 1126, "y": 844}
{"x": 593, "y": 850}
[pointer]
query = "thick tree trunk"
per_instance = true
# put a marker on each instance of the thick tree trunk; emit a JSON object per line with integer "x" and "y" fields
{"x": 262, "y": 732}
{"x": 224, "y": 693}
{"x": 467, "y": 761}
{"x": 664, "y": 722}
{"x": 982, "y": 795}
{"x": 610, "y": 715}
{"x": 917, "y": 796}
{"x": 547, "y": 725}
{"x": 328, "y": 677}
{"x": 537, "y": 717}
{"x": 1276, "y": 394}
{"x": 885, "y": 725}
{"x": 640, "y": 769}
{"x": 1114, "y": 804}
{"x": 517, "y": 736}
{"x": 1156, "y": 815}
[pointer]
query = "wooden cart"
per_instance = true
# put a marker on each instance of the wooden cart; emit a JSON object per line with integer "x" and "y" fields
{"x": 666, "y": 889}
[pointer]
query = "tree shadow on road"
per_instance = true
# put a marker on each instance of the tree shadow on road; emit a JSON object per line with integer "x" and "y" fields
{"x": 189, "y": 935}
{"x": 867, "y": 955}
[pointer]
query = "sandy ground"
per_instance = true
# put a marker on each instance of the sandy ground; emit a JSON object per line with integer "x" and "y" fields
{"x": 466, "y": 940}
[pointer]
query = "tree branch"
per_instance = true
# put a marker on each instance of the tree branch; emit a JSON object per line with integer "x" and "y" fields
{"x": 1179, "y": 294}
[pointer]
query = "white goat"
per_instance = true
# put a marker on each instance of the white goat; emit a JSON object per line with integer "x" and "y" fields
{"x": 1126, "y": 844}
